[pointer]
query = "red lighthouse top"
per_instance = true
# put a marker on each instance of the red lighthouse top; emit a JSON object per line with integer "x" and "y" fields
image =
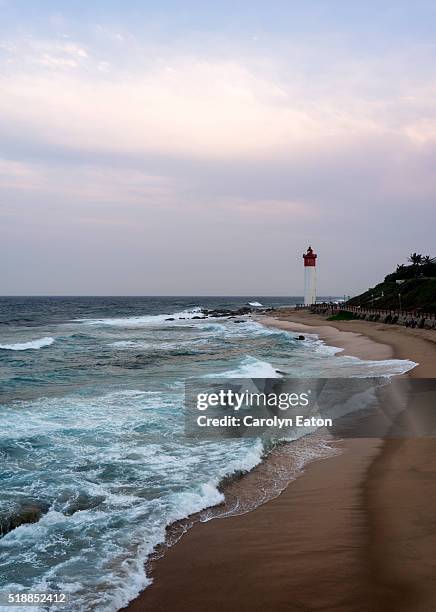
{"x": 309, "y": 257}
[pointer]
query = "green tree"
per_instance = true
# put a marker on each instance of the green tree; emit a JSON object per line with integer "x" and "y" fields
{"x": 415, "y": 259}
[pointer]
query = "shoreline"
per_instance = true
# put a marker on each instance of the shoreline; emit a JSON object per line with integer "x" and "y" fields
{"x": 320, "y": 542}
{"x": 365, "y": 339}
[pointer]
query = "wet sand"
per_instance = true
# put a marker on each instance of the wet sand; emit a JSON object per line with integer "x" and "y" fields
{"x": 354, "y": 532}
{"x": 365, "y": 339}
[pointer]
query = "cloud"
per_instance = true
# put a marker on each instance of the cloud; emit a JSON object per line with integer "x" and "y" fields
{"x": 24, "y": 54}
{"x": 199, "y": 108}
{"x": 63, "y": 55}
{"x": 84, "y": 185}
{"x": 224, "y": 164}
{"x": 210, "y": 107}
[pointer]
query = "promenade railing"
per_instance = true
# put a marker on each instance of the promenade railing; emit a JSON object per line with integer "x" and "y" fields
{"x": 409, "y": 318}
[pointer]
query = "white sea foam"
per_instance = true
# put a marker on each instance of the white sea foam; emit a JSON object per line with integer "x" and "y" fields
{"x": 347, "y": 364}
{"x": 253, "y": 328}
{"x": 250, "y": 367}
{"x": 158, "y": 346}
{"x": 143, "y": 469}
{"x": 255, "y": 304}
{"x": 143, "y": 320}
{"x": 31, "y": 344}
{"x": 129, "y": 578}
{"x": 163, "y": 479}
{"x": 288, "y": 462}
{"x": 385, "y": 367}
{"x": 319, "y": 346}
{"x": 183, "y": 505}
{"x": 363, "y": 367}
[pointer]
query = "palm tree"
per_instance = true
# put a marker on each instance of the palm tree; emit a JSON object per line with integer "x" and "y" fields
{"x": 415, "y": 258}
{"x": 426, "y": 259}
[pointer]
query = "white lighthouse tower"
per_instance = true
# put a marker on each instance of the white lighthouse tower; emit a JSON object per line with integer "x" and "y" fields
{"x": 309, "y": 277}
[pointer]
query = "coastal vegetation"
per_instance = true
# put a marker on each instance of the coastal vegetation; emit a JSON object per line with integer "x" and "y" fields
{"x": 343, "y": 315}
{"x": 410, "y": 287}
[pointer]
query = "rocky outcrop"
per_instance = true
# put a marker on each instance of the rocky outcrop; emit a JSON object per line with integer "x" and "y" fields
{"x": 218, "y": 313}
{"x": 27, "y": 512}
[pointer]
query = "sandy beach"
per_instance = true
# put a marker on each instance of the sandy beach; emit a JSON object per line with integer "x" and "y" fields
{"x": 355, "y": 531}
{"x": 365, "y": 339}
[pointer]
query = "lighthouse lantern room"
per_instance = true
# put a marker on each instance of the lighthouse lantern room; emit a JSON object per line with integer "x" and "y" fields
{"x": 309, "y": 276}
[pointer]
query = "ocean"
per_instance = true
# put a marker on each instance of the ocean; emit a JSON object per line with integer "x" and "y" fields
{"x": 91, "y": 437}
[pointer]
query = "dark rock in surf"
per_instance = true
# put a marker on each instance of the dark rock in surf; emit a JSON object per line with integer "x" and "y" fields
{"x": 26, "y": 513}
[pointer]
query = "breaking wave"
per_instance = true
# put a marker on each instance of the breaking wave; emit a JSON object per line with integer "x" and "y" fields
{"x": 24, "y": 346}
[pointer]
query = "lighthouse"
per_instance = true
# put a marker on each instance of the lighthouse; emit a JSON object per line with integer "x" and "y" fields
{"x": 309, "y": 276}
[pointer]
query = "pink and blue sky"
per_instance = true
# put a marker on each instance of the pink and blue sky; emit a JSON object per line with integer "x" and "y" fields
{"x": 187, "y": 147}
